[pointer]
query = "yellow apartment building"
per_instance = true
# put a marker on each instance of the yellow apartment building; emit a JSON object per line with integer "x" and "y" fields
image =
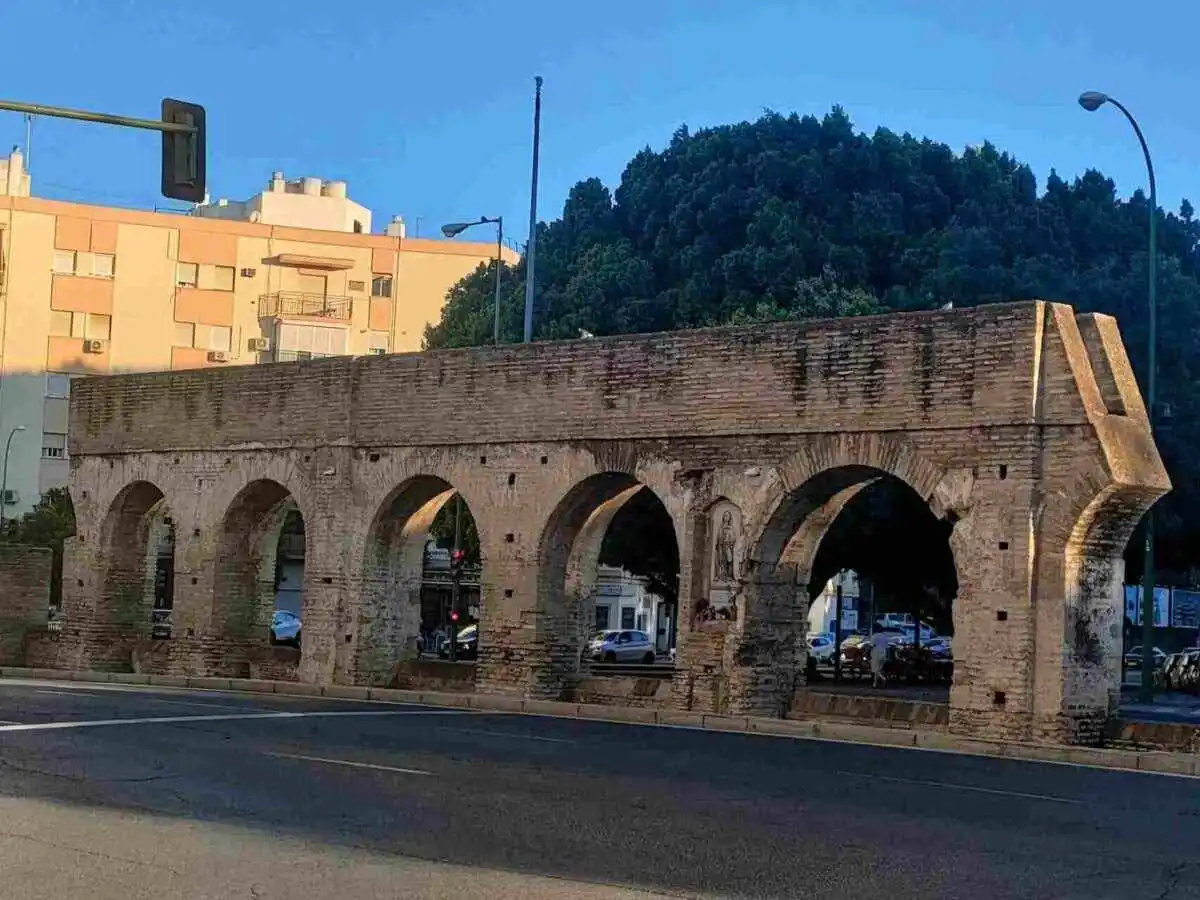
{"x": 292, "y": 273}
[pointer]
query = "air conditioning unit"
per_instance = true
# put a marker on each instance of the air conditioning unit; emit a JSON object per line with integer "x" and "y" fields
{"x": 260, "y": 344}
{"x": 249, "y": 273}
{"x": 218, "y": 356}
{"x": 91, "y": 346}
{"x": 11, "y": 497}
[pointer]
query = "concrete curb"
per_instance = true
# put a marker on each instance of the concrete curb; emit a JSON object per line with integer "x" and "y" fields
{"x": 1148, "y": 761}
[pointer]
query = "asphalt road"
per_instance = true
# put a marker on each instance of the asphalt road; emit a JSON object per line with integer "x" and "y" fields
{"x": 125, "y": 792}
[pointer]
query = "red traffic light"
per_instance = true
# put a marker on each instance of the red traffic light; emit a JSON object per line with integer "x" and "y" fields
{"x": 457, "y": 556}
{"x": 454, "y": 617}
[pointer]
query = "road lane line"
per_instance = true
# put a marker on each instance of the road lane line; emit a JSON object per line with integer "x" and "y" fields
{"x": 350, "y": 764}
{"x": 507, "y": 734}
{"x": 201, "y": 703}
{"x": 62, "y": 693}
{"x": 961, "y": 787}
{"x": 223, "y": 717}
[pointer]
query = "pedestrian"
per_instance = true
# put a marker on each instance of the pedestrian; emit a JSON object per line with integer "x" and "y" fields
{"x": 879, "y": 651}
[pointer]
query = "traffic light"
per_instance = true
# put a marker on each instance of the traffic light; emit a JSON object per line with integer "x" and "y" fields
{"x": 456, "y": 561}
{"x": 183, "y": 152}
{"x": 454, "y": 616}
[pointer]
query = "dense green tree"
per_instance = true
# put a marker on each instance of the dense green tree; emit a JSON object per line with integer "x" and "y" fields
{"x": 795, "y": 217}
{"x": 47, "y": 525}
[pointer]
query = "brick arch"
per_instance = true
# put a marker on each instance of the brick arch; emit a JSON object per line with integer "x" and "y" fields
{"x": 568, "y": 554}
{"x": 390, "y": 571}
{"x": 837, "y": 467}
{"x": 1092, "y": 531}
{"x": 125, "y": 547}
{"x": 246, "y": 548}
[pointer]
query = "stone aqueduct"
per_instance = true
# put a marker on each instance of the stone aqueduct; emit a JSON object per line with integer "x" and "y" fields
{"x": 1021, "y": 424}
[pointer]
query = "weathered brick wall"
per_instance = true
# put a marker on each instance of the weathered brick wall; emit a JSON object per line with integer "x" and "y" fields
{"x": 622, "y": 690}
{"x": 24, "y": 597}
{"x": 966, "y": 369}
{"x": 1019, "y": 423}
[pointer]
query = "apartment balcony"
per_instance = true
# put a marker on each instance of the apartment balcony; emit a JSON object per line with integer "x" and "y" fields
{"x": 285, "y": 304}
{"x": 298, "y": 355}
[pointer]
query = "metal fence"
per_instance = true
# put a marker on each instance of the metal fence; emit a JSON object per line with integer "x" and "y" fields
{"x": 294, "y": 303}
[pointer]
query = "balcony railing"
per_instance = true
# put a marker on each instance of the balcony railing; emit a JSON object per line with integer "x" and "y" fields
{"x": 294, "y": 303}
{"x": 295, "y": 355}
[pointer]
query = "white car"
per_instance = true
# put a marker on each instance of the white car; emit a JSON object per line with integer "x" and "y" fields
{"x": 625, "y": 646}
{"x": 821, "y": 647}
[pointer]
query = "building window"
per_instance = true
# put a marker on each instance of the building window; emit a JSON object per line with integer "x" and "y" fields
{"x": 93, "y": 326}
{"x": 213, "y": 337}
{"x": 186, "y": 274}
{"x": 381, "y": 286}
{"x": 103, "y": 265}
{"x": 54, "y": 446}
{"x": 64, "y": 262}
{"x": 627, "y": 614}
{"x": 601, "y": 617}
{"x": 99, "y": 327}
{"x": 60, "y": 323}
{"x": 58, "y": 384}
{"x": 377, "y": 342}
{"x": 357, "y": 227}
{"x": 185, "y": 333}
{"x": 215, "y": 278}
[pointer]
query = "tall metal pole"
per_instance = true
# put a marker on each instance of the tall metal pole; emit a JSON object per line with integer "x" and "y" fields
{"x": 499, "y": 263}
{"x": 1091, "y": 101}
{"x": 837, "y": 634}
{"x": 4, "y": 476}
{"x": 531, "y": 247}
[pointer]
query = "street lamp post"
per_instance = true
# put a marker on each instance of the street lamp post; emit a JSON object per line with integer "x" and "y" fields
{"x": 456, "y": 228}
{"x": 1092, "y": 101}
{"x": 4, "y": 476}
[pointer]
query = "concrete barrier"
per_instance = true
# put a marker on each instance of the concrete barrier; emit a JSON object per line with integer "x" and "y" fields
{"x": 1150, "y": 761}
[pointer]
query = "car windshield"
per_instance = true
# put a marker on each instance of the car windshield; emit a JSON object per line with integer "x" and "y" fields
{"x": 606, "y": 635}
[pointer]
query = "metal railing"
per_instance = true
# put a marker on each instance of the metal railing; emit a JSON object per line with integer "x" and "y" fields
{"x": 295, "y": 303}
{"x": 298, "y": 355}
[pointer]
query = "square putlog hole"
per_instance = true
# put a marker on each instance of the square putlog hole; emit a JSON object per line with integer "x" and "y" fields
{"x": 512, "y": 479}
{"x": 1003, "y": 472}
{"x": 508, "y": 593}
{"x": 509, "y": 538}
{"x": 483, "y": 460}
{"x": 545, "y": 459}
{"x": 999, "y": 698}
{"x": 1002, "y": 615}
{"x": 1004, "y": 545}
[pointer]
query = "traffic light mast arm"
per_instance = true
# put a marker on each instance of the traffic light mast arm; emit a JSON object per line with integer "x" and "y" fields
{"x": 183, "y": 140}
{"x": 83, "y": 115}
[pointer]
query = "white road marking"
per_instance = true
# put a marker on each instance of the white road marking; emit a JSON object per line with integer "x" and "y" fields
{"x": 960, "y": 787}
{"x": 507, "y": 734}
{"x": 199, "y": 703}
{"x": 79, "y": 692}
{"x": 222, "y": 717}
{"x": 350, "y": 764}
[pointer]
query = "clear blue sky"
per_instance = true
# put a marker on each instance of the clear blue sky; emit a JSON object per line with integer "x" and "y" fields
{"x": 426, "y": 108}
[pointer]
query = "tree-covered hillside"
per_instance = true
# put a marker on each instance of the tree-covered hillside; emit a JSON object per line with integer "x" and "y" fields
{"x": 793, "y": 216}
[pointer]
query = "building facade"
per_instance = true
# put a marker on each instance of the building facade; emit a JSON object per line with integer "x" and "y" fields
{"x": 291, "y": 274}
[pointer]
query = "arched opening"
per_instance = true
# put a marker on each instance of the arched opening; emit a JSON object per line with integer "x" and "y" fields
{"x": 1104, "y": 633}
{"x": 608, "y": 579}
{"x": 138, "y": 545}
{"x": 259, "y": 579}
{"x": 856, "y": 561}
{"x": 421, "y": 581}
